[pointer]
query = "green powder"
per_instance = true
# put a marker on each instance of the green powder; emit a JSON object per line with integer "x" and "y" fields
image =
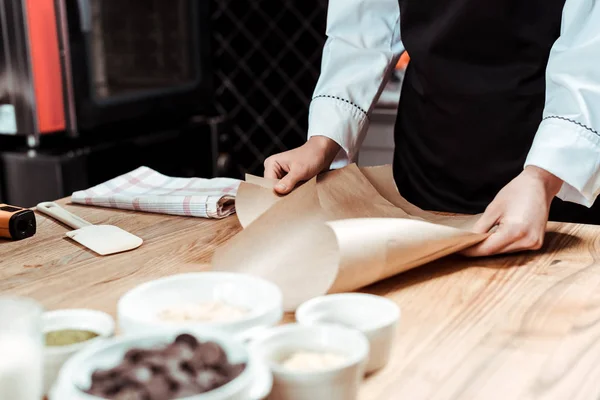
{"x": 65, "y": 337}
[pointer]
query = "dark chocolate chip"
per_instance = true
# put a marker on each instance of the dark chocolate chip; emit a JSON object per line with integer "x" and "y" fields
{"x": 230, "y": 370}
{"x": 187, "y": 391}
{"x": 155, "y": 362}
{"x": 139, "y": 374}
{"x": 115, "y": 386}
{"x": 134, "y": 356}
{"x": 102, "y": 375}
{"x": 157, "y": 369}
{"x": 188, "y": 340}
{"x": 173, "y": 385}
{"x": 132, "y": 393}
{"x": 197, "y": 361}
{"x": 174, "y": 371}
{"x": 209, "y": 379}
{"x": 159, "y": 388}
{"x": 235, "y": 370}
{"x": 212, "y": 354}
{"x": 183, "y": 368}
{"x": 119, "y": 370}
{"x": 187, "y": 367}
{"x": 96, "y": 391}
{"x": 108, "y": 374}
{"x": 181, "y": 351}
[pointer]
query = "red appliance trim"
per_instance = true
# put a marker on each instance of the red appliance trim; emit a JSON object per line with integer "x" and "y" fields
{"x": 46, "y": 68}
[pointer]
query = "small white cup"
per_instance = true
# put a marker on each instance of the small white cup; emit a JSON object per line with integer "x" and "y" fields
{"x": 339, "y": 383}
{"x": 375, "y": 316}
{"x": 91, "y": 320}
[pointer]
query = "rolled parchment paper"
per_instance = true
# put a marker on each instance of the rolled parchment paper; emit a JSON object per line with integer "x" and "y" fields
{"x": 340, "y": 231}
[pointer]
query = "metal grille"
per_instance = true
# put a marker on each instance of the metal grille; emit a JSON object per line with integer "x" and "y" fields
{"x": 267, "y": 61}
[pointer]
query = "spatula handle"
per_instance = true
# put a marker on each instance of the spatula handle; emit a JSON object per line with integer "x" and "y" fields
{"x": 62, "y": 215}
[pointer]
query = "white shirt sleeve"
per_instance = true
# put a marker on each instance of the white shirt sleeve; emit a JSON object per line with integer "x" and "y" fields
{"x": 567, "y": 143}
{"x": 363, "y": 45}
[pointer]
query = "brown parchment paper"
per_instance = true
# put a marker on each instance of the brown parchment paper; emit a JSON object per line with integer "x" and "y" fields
{"x": 338, "y": 232}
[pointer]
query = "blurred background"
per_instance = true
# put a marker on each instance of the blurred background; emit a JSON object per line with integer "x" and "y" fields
{"x": 91, "y": 89}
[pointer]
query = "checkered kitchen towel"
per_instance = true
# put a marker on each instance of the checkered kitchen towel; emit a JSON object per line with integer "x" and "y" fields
{"x": 147, "y": 190}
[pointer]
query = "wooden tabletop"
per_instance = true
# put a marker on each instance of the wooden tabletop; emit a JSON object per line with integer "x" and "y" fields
{"x": 515, "y": 327}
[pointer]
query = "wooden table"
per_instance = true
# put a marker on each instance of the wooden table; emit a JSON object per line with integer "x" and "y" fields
{"x": 515, "y": 327}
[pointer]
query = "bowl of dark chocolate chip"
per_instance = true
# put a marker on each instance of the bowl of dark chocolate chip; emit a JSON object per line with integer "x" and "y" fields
{"x": 205, "y": 365}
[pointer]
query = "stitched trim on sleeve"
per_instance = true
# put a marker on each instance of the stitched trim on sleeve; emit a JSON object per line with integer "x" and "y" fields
{"x": 587, "y": 128}
{"x": 344, "y": 100}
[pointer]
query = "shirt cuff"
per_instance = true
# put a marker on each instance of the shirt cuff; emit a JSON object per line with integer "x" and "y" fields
{"x": 341, "y": 121}
{"x": 571, "y": 152}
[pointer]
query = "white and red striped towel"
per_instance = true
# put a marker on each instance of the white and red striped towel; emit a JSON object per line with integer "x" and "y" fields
{"x": 147, "y": 190}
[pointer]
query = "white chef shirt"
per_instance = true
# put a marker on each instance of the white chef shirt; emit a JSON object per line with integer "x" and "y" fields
{"x": 364, "y": 44}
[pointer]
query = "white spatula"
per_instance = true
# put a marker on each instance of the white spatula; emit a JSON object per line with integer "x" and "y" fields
{"x": 102, "y": 239}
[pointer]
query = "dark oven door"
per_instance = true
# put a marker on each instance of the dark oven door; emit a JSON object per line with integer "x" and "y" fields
{"x": 127, "y": 60}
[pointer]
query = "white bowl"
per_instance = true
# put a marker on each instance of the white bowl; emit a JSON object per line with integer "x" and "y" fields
{"x": 253, "y": 383}
{"x": 338, "y": 383}
{"x": 376, "y": 317}
{"x": 138, "y": 309}
{"x": 91, "y": 320}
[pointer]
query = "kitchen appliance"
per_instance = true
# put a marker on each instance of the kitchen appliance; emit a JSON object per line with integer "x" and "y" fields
{"x": 87, "y": 86}
{"x": 102, "y": 239}
{"x": 78, "y": 65}
{"x": 16, "y": 223}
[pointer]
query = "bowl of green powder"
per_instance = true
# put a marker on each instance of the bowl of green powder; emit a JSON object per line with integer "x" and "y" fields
{"x": 66, "y": 332}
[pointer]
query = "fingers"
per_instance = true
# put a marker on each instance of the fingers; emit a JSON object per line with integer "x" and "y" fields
{"x": 296, "y": 165}
{"x": 289, "y": 182}
{"x": 519, "y": 236}
{"x": 289, "y": 175}
{"x": 273, "y": 169}
{"x": 484, "y": 224}
{"x": 488, "y": 220}
{"x": 508, "y": 238}
{"x": 491, "y": 245}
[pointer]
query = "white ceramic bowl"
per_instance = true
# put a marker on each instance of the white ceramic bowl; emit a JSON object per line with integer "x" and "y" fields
{"x": 252, "y": 384}
{"x": 91, "y": 320}
{"x": 376, "y": 317}
{"x": 339, "y": 383}
{"x": 138, "y": 309}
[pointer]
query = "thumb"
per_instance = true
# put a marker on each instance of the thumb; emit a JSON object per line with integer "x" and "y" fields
{"x": 289, "y": 182}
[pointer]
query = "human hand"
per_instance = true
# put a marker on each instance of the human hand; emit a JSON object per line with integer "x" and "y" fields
{"x": 301, "y": 164}
{"x": 519, "y": 212}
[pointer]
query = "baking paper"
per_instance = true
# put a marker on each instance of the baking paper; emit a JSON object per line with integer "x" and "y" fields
{"x": 338, "y": 232}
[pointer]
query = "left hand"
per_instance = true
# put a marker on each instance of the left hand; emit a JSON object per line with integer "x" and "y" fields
{"x": 519, "y": 212}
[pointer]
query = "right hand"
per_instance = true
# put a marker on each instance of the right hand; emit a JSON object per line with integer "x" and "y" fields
{"x": 302, "y": 163}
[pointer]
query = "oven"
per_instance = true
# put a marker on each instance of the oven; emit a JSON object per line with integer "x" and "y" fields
{"x": 88, "y": 66}
{"x": 90, "y": 89}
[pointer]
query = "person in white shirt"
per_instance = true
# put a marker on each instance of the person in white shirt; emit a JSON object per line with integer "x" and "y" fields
{"x": 499, "y": 111}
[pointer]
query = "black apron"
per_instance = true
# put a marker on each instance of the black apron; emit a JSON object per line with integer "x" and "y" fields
{"x": 472, "y": 99}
